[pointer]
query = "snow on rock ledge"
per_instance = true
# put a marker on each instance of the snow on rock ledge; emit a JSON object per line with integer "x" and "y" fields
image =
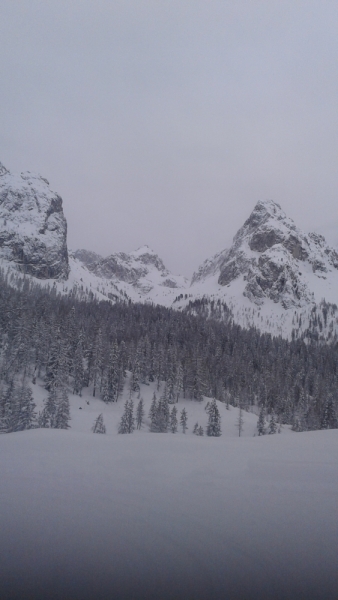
{"x": 33, "y": 229}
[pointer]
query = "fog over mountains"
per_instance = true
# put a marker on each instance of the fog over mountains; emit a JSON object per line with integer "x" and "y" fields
{"x": 272, "y": 277}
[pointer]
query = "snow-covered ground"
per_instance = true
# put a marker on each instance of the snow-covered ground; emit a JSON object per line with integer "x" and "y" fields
{"x": 162, "y": 516}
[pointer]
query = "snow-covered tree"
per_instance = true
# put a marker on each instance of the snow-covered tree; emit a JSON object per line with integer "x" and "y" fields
{"x": 214, "y": 421}
{"x": 261, "y": 422}
{"x": 127, "y": 423}
{"x": 184, "y": 420}
{"x": 78, "y": 368}
{"x": 140, "y": 413}
{"x": 160, "y": 416}
{"x": 99, "y": 426}
{"x": 173, "y": 420}
{"x": 240, "y": 420}
{"x": 62, "y": 415}
{"x": 273, "y": 424}
{"x": 153, "y": 408}
{"x": 329, "y": 417}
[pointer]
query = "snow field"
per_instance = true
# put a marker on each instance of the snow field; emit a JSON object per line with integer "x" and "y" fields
{"x": 155, "y": 516}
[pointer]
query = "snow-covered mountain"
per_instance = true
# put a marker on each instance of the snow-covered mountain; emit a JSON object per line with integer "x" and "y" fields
{"x": 33, "y": 229}
{"x": 140, "y": 275}
{"x": 273, "y": 277}
{"x": 272, "y": 259}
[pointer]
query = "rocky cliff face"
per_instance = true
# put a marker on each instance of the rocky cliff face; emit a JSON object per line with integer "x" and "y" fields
{"x": 274, "y": 258}
{"x": 33, "y": 229}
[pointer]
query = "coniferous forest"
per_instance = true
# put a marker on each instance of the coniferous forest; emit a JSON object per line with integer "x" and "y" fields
{"x": 73, "y": 344}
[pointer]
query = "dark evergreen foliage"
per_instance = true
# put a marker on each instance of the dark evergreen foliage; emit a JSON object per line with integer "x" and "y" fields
{"x": 82, "y": 343}
{"x": 214, "y": 421}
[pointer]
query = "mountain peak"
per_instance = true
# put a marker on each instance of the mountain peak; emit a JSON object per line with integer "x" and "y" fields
{"x": 265, "y": 210}
{"x": 33, "y": 229}
{"x": 142, "y": 250}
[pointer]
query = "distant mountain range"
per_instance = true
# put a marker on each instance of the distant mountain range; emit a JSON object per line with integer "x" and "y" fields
{"x": 274, "y": 276}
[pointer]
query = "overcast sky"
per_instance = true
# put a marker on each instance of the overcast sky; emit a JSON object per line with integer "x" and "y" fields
{"x": 162, "y": 122}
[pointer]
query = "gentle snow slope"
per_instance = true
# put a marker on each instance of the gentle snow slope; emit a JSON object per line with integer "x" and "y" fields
{"x": 161, "y": 516}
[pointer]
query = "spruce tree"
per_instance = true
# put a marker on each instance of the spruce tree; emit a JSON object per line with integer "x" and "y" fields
{"x": 24, "y": 415}
{"x": 272, "y": 424}
{"x": 184, "y": 420}
{"x": 160, "y": 414}
{"x": 78, "y": 369}
{"x": 214, "y": 421}
{"x": 99, "y": 426}
{"x": 240, "y": 420}
{"x": 127, "y": 423}
{"x": 153, "y": 409}
{"x": 261, "y": 422}
{"x": 140, "y": 413}
{"x": 62, "y": 415}
{"x": 173, "y": 420}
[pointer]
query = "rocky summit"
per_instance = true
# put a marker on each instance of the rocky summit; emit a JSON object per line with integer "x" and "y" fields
{"x": 272, "y": 259}
{"x": 33, "y": 229}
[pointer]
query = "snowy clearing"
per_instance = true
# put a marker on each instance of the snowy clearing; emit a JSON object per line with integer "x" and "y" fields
{"x": 152, "y": 515}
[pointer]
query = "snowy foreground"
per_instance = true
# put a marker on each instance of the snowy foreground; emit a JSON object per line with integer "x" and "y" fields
{"x": 153, "y": 515}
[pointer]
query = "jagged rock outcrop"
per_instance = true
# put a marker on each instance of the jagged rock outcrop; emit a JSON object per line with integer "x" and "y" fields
{"x": 135, "y": 268}
{"x": 87, "y": 257}
{"x": 33, "y": 229}
{"x": 275, "y": 259}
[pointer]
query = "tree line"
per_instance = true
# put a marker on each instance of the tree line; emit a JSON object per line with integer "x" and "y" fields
{"x": 72, "y": 344}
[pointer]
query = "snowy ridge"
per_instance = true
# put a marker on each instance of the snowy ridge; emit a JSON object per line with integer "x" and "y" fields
{"x": 139, "y": 275}
{"x": 273, "y": 277}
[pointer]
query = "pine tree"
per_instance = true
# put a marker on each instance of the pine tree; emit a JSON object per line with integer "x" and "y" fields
{"x": 97, "y": 359}
{"x": 153, "y": 408}
{"x": 195, "y": 430}
{"x": 17, "y": 409}
{"x": 78, "y": 369}
{"x": 43, "y": 419}
{"x": 261, "y": 422}
{"x": 62, "y": 415}
{"x": 24, "y": 413}
{"x": 272, "y": 424}
{"x": 57, "y": 368}
{"x": 135, "y": 377}
{"x": 161, "y": 415}
{"x": 184, "y": 420}
{"x": 179, "y": 381}
{"x": 114, "y": 376}
{"x": 139, "y": 414}
{"x": 240, "y": 420}
{"x": 214, "y": 421}
{"x": 173, "y": 420}
{"x": 200, "y": 431}
{"x": 99, "y": 426}
{"x": 50, "y": 407}
{"x": 127, "y": 423}
{"x": 329, "y": 418}
{"x": 105, "y": 395}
